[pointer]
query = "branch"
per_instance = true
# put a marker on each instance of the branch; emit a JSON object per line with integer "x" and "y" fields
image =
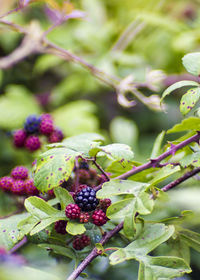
{"x": 155, "y": 162}
{"x": 18, "y": 245}
{"x": 101, "y": 169}
{"x": 94, "y": 253}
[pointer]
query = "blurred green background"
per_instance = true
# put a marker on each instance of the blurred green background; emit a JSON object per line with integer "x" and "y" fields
{"x": 157, "y": 35}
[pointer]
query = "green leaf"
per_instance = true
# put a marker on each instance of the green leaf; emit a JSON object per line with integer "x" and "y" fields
{"x": 189, "y": 99}
{"x": 75, "y": 228}
{"x": 191, "y": 62}
{"x": 151, "y": 237}
{"x": 177, "y": 86}
{"x": 157, "y": 145}
{"x": 83, "y": 143}
{"x": 60, "y": 250}
{"x": 15, "y": 106}
{"x": 191, "y": 123}
{"x": 118, "y": 187}
{"x": 191, "y": 238}
{"x": 162, "y": 268}
{"x": 45, "y": 214}
{"x": 164, "y": 173}
{"x": 53, "y": 168}
{"x": 28, "y": 224}
{"x": 191, "y": 159}
{"x": 117, "y": 152}
{"x": 9, "y": 232}
{"x": 124, "y": 131}
{"x": 63, "y": 196}
{"x": 45, "y": 62}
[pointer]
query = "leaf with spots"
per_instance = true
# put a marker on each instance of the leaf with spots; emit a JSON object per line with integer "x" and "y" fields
{"x": 151, "y": 237}
{"x": 75, "y": 228}
{"x": 53, "y": 168}
{"x": 9, "y": 232}
{"x": 189, "y": 99}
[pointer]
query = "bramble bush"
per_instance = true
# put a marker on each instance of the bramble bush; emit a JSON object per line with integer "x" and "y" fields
{"x": 84, "y": 197}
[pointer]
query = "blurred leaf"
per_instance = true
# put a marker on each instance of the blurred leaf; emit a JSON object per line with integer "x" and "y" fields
{"x": 9, "y": 232}
{"x": 76, "y": 117}
{"x": 150, "y": 238}
{"x": 53, "y": 168}
{"x": 157, "y": 145}
{"x": 164, "y": 173}
{"x": 189, "y": 99}
{"x": 191, "y": 123}
{"x": 46, "y": 62}
{"x": 191, "y": 238}
{"x": 191, "y": 62}
{"x": 60, "y": 250}
{"x": 75, "y": 228}
{"x": 177, "y": 86}
{"x": 15, "y": 106}
{"x": 124, "y": 131}
{"x": 191, "y": 159}
{"x": 63, "y": 196}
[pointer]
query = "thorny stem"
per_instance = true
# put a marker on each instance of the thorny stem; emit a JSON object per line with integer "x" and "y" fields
{"x": 155, "y": 162}
{"x": 101, "y": 169}
{"x": 94, "y": 253}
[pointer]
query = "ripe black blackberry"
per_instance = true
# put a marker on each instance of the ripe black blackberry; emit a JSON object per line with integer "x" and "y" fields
{"x": 86, "y": 199}
{"x": 32, "y": 124}
{"x": 60, "y": 226}
{"x": 83, "y": 165}
{"x": 72, "y": 211}
{"x": 99, "y": 218}
{"x": 81, "y": 242}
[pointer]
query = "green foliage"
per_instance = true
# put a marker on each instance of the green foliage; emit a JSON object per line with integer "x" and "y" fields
{"x": 191, "y": 62}
{"x": 191, "y": 123}
{"x": 189, "y": 99}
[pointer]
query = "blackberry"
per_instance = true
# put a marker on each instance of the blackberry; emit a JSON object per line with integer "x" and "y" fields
{"x": 32, "y": 143}
{"x": 104, "y": 204}
{"x": 81, "y": 242}
{"x": 32, "y": 124}
{"x": 72, "y": 211}
{"x": 46, "y": 126}
{"x": 84, "y": 217}
{"x": 19, "y": 138}
{"x": 20, "y": 172}
{"x": 84, "y": 165}
{"x": 29, "y": 187}
{"x": 86, "y": 199}
{"x": 99, "y": 218}
{"x": 6, "y": 183}
{"x": 93, "y": 174}
{"x": 101, "y": 179}
{"x": 56, "y": 136}
{"x": 60, "y": 227}
{"x": 83, "y": 176}
{"x": 18, "y": 187}
{"x": 51, "y": 193}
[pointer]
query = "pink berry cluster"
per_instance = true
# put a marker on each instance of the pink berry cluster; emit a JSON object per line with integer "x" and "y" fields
{"x": 19, "y": 182}
{"x": 34, "y": 126}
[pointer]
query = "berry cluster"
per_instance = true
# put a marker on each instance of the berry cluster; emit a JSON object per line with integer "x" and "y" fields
{"x": 18, "y": 183}
{"x": 34, "y": 125}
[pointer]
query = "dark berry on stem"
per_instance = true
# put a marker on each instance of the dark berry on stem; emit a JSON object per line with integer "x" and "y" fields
{"x": 32, "y": 124}
{"x": 81, "y": 242}
{"x": 32, "y": 143}
{"x": 105, "y": 203}
{"x": 19, "y": 172}
{"x": 60, "y": 227}
{"x": 83, "y": 176}
{"x": 19, "y": 138}
{"x": 6, "y": 183}
{"x": 99, "y": 218}
{"x": 72, "y": 211}
{"x": 29, "y": 187}
{"x": 84, "y": 165}
{"x": 84, "y": 217}
{"x": 86, "y": 199}
{"x": 18, "y": 187}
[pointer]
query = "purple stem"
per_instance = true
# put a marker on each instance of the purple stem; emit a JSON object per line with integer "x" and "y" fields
{"x": 154, "y": 162}
{"x": 18, "y": 245}
{"x": 101, "y": 169}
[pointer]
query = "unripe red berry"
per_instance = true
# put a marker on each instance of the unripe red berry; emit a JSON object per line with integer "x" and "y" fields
{"x": 60, "y": 227}
{"x": 32, "y": 143}
{"x": 46, "y": 126}
{"x": 101, "y": 179}
{"x": 81, "y": 242}
{"x": 83, "y": 176}
{"x": 51, "y": 192}
{"x": 104, "y": 204}
{"x": 6, "y": 183}
{"x": 56, "y": 136}
{"x": 18, "y": 187}
{"x": 93, "y": 173}
{"x": 84, "y": 217}
{"x": 19, "y": 172}
{"x": 29, "y": 187}
{"x": 72, "y": 211}
{"x": 99, "y": 218}
{"x": 19, "y": 138}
